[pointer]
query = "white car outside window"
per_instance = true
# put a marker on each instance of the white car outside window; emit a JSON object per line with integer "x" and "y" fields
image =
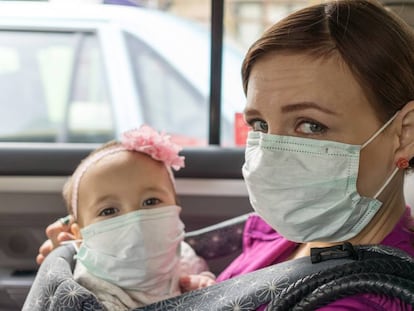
{"x": 86, "y": 75}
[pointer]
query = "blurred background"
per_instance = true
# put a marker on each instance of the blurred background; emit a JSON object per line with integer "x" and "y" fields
{"x": 244, "y": 20}
{"x": 62, "y": 64}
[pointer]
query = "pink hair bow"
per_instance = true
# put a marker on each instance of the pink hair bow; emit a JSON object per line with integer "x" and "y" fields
{"x": 146, "y": 140}
{"x": 157, "y": 145}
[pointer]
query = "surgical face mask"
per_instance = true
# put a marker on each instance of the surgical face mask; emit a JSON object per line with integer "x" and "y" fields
{"x": 306, "y": 188}
{"x": 136, "y": 251}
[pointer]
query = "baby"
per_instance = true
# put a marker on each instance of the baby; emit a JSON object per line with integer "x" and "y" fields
{"x": 122, "y": 197}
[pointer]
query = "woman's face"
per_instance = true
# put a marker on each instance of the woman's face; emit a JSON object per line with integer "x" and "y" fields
{"x": 319, "y": 98}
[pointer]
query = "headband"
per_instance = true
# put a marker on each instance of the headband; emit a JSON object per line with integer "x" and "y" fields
{"x": 145, "y": 140}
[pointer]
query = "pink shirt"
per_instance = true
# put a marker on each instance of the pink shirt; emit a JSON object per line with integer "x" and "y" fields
{"x": 262, "y": 247}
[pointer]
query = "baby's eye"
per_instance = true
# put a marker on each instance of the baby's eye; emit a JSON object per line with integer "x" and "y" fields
{"x": 311, "y": 127}
{"x": 109, "y": 211}
{"x": 259, "y": 126}
{"x": 151, "y": 201}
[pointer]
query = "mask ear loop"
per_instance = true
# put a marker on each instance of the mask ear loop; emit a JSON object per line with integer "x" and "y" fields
{"x": 369, "y": 141}
{"x": 379, "y": 131}
{"x": 386, "y": 182}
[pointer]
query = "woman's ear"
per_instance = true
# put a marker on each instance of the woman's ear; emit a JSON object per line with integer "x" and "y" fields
{"x": 75, "y": 229}
{"x": 405, "y": 129}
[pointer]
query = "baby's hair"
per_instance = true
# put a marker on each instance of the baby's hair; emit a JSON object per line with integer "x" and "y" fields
{"x": 146, "y": 140}
{"x": 68, "y": 186}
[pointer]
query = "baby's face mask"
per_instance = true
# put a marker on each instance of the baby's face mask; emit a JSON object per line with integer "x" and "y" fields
{"x": 132, "y": 250}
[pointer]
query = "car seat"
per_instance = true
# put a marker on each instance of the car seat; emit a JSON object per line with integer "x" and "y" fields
{"x": 55, "y": 289}
{"x": 304, "y": 283}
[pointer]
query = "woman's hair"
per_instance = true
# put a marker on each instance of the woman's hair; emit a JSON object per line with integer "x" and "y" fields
{"x": 376, "y": 44}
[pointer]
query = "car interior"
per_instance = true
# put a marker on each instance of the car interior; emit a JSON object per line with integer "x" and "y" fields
{"x": 215, "y": 206}
{"x": 31, "y": 181}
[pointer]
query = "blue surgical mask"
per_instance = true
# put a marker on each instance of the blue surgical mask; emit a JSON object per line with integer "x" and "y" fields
{"x": 306, "y": 188}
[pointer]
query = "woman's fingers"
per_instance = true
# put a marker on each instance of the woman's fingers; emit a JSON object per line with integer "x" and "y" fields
{"x": 54, "y": 230}
{"x": 65, "y": 236}
{"x": 44, "y": 250}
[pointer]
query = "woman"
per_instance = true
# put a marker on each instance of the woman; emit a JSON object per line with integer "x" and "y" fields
{"x": 330, "y": 99}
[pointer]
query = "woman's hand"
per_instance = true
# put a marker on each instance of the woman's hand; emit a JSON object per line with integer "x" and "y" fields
{"x": 56, "y": 232}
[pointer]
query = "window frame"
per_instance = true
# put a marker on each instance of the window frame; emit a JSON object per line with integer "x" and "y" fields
{"x": 216, "y": 61}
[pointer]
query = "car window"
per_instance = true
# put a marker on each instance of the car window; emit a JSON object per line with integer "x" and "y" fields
{"x": 90, "y": 117}
{"x": 49, "y": 81}
{"x": 168, "y": 101}
{"x": 54, "y": 83}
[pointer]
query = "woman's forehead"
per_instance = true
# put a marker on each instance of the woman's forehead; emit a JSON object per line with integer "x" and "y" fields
{"x": 284, "y": 67}
{"x": 281, "y": 79}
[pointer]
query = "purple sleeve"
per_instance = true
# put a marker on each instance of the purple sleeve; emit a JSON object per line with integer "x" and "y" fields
{"x": 262, "y": 246}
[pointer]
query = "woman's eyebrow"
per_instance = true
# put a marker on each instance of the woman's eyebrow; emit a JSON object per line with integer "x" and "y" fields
{"x": 250, "y": 112}
{"x": 305, "y": 105}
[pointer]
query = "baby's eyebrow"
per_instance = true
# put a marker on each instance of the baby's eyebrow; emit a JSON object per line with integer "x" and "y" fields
{"x": 100, "y": 199}
{"x": 159, "y": 189}
{"x": 105, "y": 197}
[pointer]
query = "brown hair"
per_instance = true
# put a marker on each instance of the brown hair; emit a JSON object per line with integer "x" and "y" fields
{"x": 376, "y": 44}
{"x": 68, "y": 186}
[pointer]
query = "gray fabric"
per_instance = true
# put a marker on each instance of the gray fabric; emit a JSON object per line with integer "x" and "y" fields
{"x": 218, "y": 240}
{"x": 55, "y": 289}
{"x": 249, "y": 291}
{"x": 245, "y": 292}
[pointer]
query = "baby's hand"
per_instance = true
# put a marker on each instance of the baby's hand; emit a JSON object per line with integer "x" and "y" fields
{"x": 191, "y": 282}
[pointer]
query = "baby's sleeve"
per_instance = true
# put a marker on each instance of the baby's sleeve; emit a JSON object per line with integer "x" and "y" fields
{"x": 191, "y": 263}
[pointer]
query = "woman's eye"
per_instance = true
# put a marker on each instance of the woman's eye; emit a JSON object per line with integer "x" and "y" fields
{"x": 259, "y": 126}
{"x": 151, "y": 201}
{"x": 311, "y": 127}
{"x": 108, "y": 211}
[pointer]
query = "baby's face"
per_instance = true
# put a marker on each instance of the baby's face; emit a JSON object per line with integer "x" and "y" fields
{"x": 121, "y": 183}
